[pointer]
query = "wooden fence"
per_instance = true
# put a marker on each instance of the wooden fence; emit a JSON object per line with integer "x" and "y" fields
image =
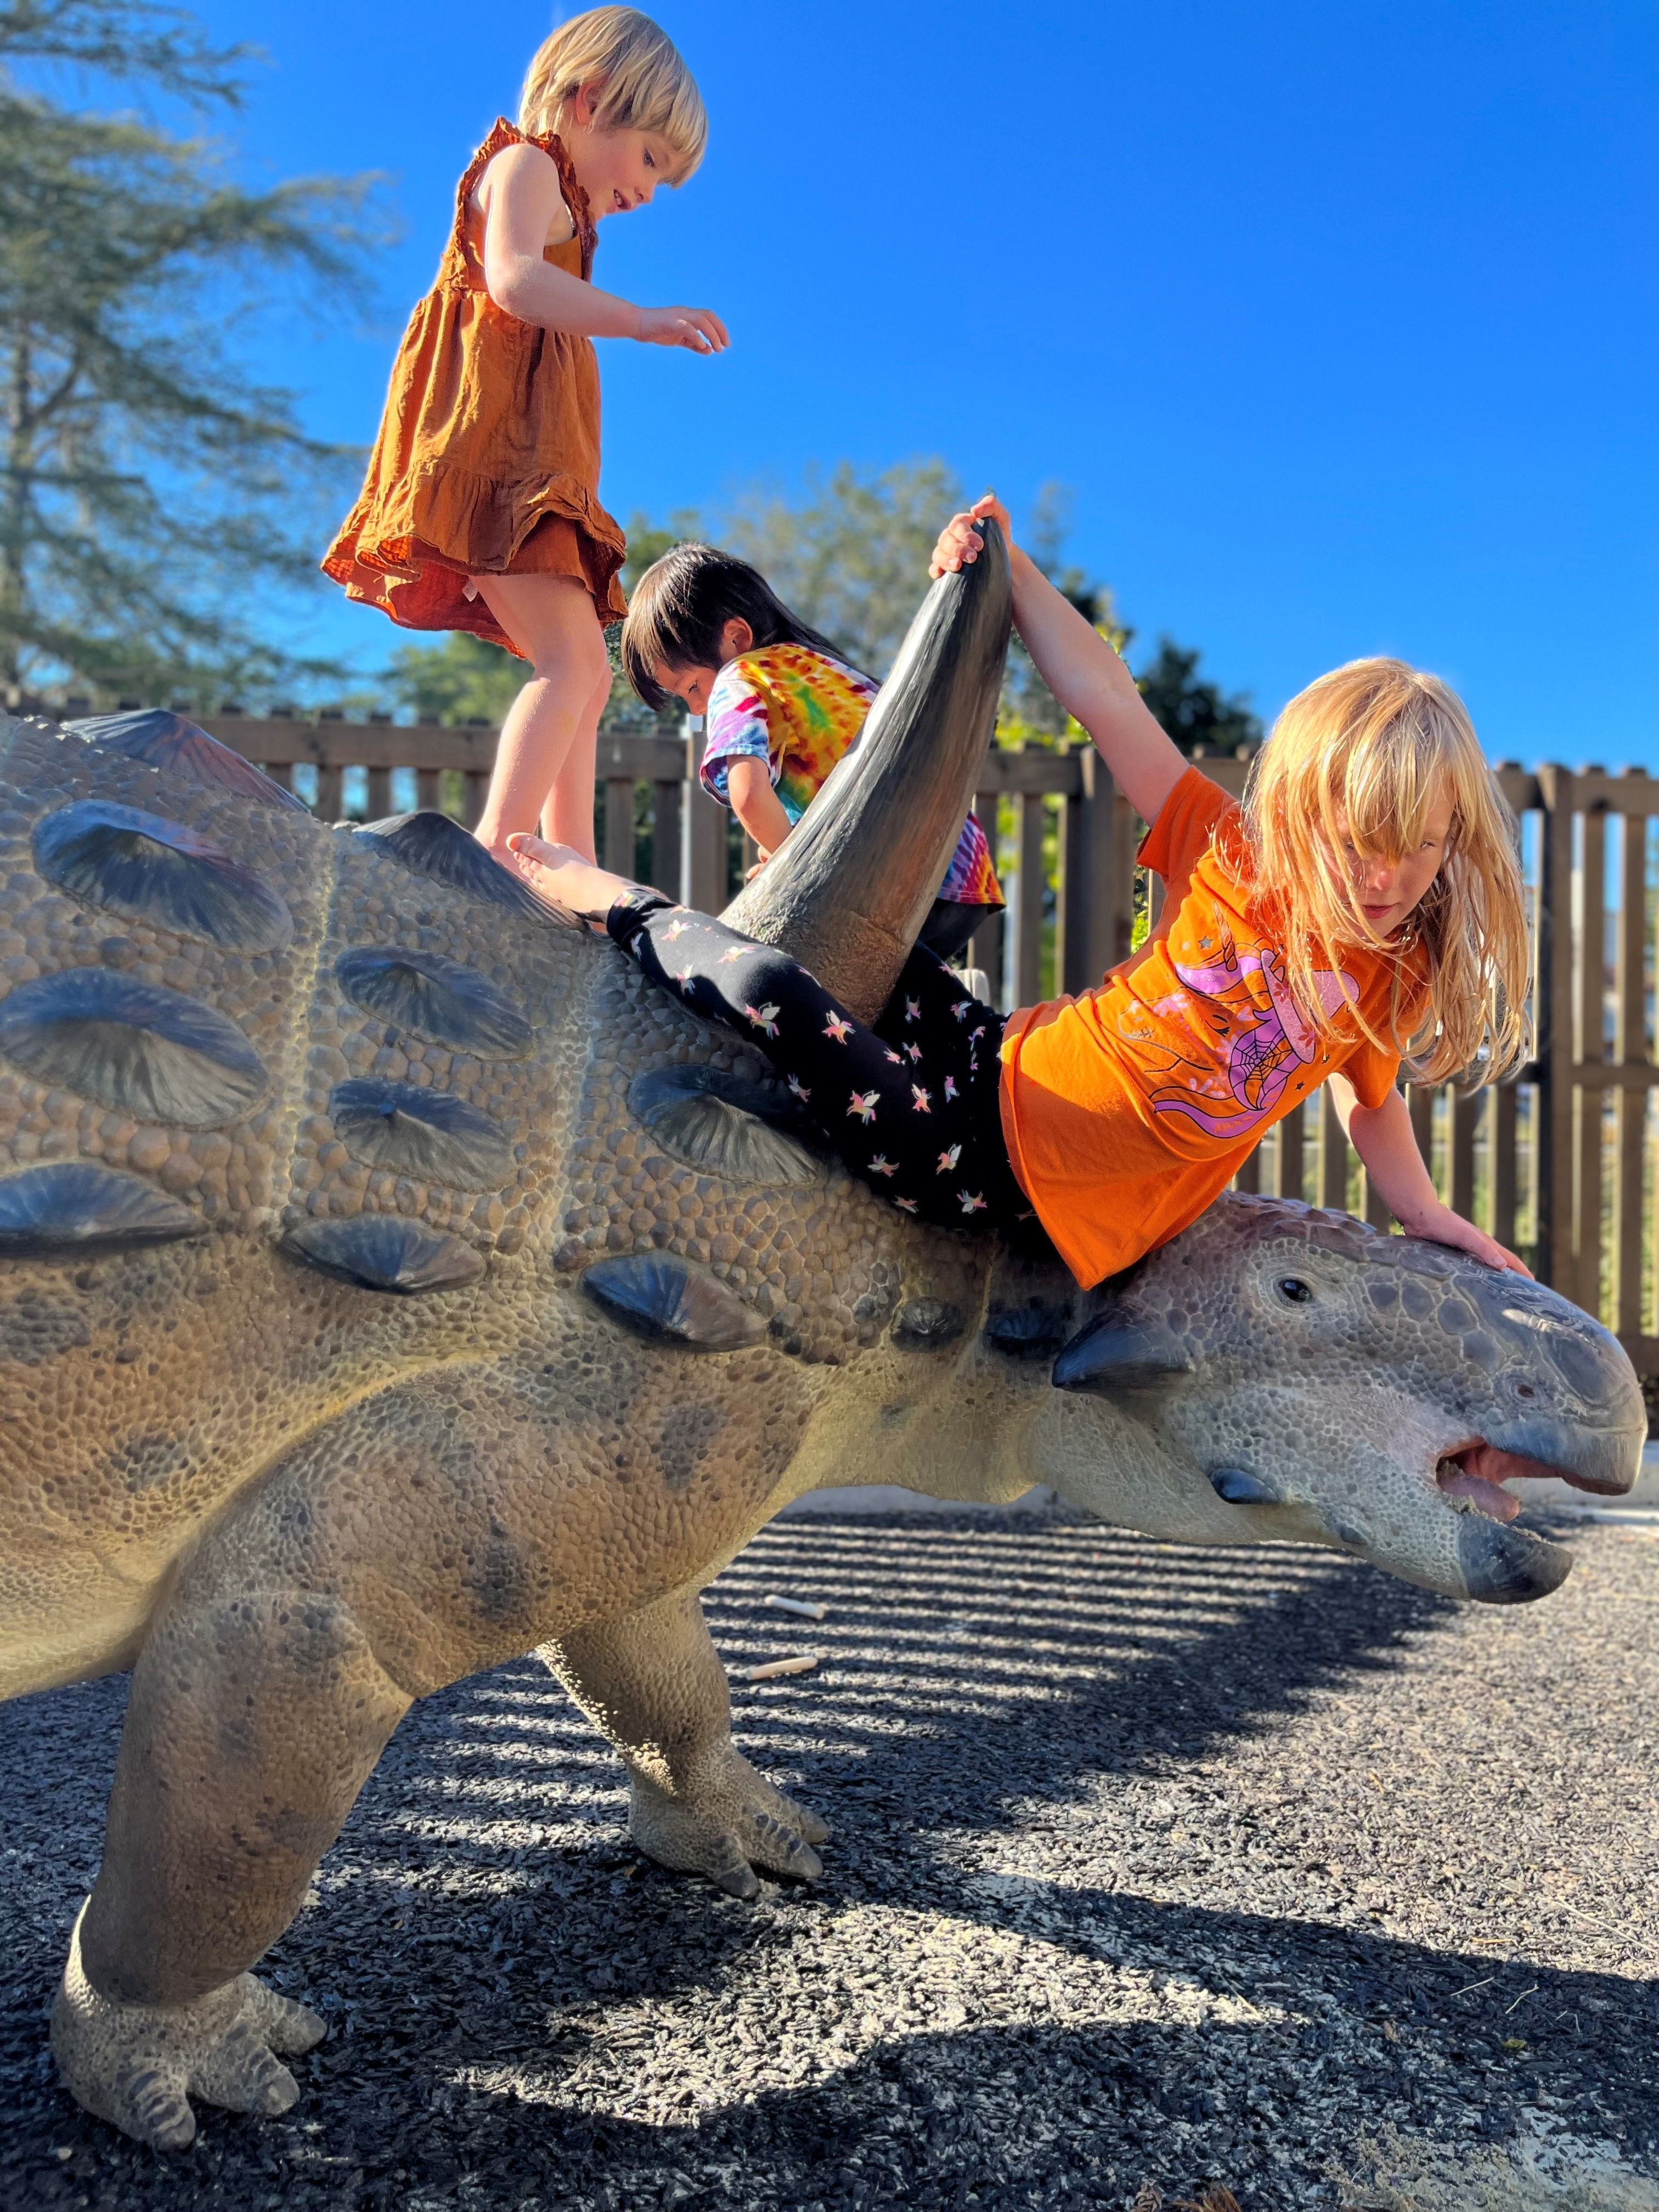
{"x": 1559, "y": 1163}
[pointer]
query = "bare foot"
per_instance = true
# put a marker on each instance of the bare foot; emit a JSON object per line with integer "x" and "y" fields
{"x": 559, "y": 874}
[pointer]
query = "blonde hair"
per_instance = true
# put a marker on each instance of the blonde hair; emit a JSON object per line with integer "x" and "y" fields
{"x": 643, "y": 83}
{"x": 1357, "y": 761}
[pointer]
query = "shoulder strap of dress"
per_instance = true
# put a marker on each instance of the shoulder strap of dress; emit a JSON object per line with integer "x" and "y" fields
{"x": 508, "y": 134}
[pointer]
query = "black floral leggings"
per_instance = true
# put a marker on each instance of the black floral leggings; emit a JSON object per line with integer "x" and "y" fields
{"x": 911, "y": 1104}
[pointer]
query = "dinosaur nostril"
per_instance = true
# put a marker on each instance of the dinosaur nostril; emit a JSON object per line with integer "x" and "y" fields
{"x": 1577, "y": 1363}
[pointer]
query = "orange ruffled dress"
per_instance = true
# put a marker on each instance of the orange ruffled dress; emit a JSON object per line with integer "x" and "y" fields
{"x": 487, "y": 463}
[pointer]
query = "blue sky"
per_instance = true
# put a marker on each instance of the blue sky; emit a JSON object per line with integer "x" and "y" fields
{"x": 1338, "y": 319}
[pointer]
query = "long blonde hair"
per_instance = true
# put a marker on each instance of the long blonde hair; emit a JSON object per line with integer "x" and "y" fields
{"x": 644, "y": 84}
{"x": 1358, "y": 760}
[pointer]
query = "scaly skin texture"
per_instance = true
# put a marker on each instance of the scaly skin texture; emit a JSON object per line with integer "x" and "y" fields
{"x": 294, "y": 1501}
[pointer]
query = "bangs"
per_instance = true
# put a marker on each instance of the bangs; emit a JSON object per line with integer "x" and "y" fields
{"x": 1357, "y": 762}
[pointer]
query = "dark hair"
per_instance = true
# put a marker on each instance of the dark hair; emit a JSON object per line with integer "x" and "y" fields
{"x": 681, "y": 603}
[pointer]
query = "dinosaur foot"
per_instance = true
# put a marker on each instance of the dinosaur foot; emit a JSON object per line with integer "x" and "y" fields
{"x": 725, "y": 1825}
{"x": 135, "y": 2063}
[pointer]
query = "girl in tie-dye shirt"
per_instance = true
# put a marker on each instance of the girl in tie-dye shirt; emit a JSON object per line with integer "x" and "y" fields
{"x": 781, "y": 708}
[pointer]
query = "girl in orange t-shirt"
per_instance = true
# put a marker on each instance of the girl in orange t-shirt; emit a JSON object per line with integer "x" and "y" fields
{"x": 480, "y": 510}
{"x": 1364, "y": 905}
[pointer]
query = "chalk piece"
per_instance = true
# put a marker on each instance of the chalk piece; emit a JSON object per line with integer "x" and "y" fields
{"x": 774, "y": 1667}
{"x": 799, "y": 1606}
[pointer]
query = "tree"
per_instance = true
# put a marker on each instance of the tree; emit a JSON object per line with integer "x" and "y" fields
{"x": 464, "y": 679}
{"x": 852, "y": 556}
{"x": 152, "y": 499}
{"x": 1193, "y": 712}
{"x": 1029, "y": 709}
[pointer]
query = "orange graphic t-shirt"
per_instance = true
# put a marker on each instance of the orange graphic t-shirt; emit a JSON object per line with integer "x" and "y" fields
{"x": 1128, "y": 1109}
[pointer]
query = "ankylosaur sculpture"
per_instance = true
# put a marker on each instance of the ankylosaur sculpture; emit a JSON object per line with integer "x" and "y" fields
{"x": 392, "y": 1281}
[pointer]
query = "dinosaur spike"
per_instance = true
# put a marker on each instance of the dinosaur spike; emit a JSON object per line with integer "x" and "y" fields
{"x": 849, "y": 891}
{"x": 434, "y": 997}
{"x": 927, "y": 1325}
{"x": 72, "y": 1205}
{"x": 431, "y": 845}
{"x": 383, "y": 1252}
{"x": 424, "y": 1133}
{"x": 721, "y": 1124}
{"x": 153, "y": 1053}
{"x": 1111, "y": 1354}
{"x": 128, "y": 862}
{"x": 1033, "y": 1331}
{"x": 663, "y": 1297}
{"x": 163, "y": 740}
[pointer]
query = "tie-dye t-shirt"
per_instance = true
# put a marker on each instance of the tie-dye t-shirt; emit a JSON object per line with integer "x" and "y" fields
{"x": 800, "y": 710}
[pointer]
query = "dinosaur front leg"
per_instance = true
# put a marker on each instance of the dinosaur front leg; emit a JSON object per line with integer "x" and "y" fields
{"x": 256, "y": 1718}
{"x": 653, "y": 1684}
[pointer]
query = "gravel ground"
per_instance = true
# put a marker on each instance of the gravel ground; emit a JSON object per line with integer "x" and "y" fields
{"x": 1155, "y": 1873}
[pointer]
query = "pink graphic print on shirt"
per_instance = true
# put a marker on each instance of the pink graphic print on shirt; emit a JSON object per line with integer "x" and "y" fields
{"x": 1237, "y": 1086}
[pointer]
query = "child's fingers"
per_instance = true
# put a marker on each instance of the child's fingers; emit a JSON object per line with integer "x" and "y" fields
{"x": 710, "y": 328}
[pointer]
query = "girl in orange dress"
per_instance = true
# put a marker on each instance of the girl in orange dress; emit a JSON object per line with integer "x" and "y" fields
{"x": 481, "y": 510}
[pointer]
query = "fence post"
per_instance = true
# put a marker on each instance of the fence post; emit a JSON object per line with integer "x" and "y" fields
{"x": 1333, "y": 1155}
{"x": 705, "y": 834}
{"x": 989, "y": 940}
{"x": 1030, "y": 812}
{"x": 1087, "y": 895}
{"x": 1629, "y": 1051}
{"x": 1556, "y": 1261}
{"x": 666, "y": 838}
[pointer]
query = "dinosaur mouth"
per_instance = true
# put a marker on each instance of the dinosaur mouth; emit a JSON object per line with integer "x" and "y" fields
{"x": 1474, "y": 1475}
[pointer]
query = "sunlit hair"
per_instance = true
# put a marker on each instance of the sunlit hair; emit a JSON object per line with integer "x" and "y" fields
{"x": 644, "y": 84}
{"x": 680, "y": 605}
{"x": 1353, "y": 766}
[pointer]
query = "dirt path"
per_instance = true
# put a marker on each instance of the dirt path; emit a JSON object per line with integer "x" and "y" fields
{"x": 1153, "y": 1869}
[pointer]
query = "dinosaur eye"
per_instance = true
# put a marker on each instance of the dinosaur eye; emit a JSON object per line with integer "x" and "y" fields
{"x": 1294, "y": 1290}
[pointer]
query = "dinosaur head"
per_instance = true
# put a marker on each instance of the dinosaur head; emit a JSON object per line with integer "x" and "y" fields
{"x": 1285, "y": 1375}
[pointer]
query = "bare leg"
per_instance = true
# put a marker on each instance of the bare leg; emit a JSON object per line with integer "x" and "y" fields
{"x": 654, "y": 1686}
{"x": 568, "y": 807}
{"x": 553, "y": 724}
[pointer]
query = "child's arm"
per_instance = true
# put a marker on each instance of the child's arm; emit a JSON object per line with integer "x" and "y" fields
{"x": 1382, "y": 1136}
{"x": 522, "y": 204}
{"x": 756, "y": 805}
{"x": 1078, "y": 666}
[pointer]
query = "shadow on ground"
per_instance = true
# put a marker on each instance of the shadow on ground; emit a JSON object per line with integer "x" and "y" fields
{"x": 1072, "y": 1936}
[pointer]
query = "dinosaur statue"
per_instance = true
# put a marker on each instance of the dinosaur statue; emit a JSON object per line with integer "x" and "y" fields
{"x": 392, "y": 1281}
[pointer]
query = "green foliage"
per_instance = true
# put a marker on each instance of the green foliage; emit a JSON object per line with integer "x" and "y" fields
{"x": 152, "y": 499}
{"x": 463, "y": 679}
{"x": 1195, "y": 713}
{"x": 851, "y": 557}
{"x": 648, "y": 541}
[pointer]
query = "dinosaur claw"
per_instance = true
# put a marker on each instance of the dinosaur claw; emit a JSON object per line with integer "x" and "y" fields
{"x": 738, "y": 1880}
{"x": 729, "y": 1824}
{"x": 136, "y": 2065}
{"x": 288, "y": 2026}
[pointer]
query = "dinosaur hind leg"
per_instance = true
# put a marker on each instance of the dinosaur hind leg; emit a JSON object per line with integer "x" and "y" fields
{"x": 256, "y": 1718}
{"x": 652, "y": 1683}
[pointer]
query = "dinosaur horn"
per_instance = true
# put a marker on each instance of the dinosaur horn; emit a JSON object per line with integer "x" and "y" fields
{"x": 849, "y": 891}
